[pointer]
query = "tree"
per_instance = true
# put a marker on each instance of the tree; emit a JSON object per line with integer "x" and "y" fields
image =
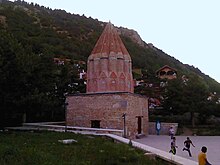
{"x": 12, "y": 77}
{"x": 173, "y": 94}
{"x": 190, "y": 96}
{"x": 27, "y": 84}
{"x": 195, "y": 94}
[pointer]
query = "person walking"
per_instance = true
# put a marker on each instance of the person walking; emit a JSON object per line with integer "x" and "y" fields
{"x": 202, "y": 159}
{"x": 173, "y": 146}
{"x": 187, "y": 144}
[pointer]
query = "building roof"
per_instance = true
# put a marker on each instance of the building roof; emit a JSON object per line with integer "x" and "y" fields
{"x": 108, "y": 42}
{"x": 166, "y": 66}
{"x": 109, "y": 67}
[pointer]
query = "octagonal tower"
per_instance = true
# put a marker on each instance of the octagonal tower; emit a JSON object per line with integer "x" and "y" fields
{"x": 109, "y": 67}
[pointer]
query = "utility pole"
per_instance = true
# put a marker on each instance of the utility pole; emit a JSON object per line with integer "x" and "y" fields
{"x": 65, "y": 111}
{"x": 124, "y": 118}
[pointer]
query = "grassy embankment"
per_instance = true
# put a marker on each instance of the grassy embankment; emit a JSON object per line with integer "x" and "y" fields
{"x": 25, "y": 148}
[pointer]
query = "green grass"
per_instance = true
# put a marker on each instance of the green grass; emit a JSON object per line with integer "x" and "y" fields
{"x": 43, "y": 148}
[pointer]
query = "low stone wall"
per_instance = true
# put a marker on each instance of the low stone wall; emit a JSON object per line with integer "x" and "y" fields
{"x": 61, "y": 128}
{"x": 164, "y": 128}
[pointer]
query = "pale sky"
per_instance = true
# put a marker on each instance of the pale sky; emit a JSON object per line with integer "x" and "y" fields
{"x": 188, "y": 30}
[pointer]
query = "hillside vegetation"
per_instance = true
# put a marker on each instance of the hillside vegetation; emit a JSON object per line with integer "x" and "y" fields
{"x": 74, "y": 36}
{"x": 33, "y": 87}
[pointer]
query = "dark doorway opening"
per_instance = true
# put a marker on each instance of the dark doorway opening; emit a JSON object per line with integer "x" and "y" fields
{"x": 139, "y": 124}
{"x": 95, "y": 123}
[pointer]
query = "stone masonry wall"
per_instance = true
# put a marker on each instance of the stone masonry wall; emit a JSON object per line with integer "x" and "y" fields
{"x": 165, "y": 127}
{"x": 109, "y": 108}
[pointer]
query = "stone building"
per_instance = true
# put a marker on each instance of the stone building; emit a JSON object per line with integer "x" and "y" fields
{"x": 109, "y": 102}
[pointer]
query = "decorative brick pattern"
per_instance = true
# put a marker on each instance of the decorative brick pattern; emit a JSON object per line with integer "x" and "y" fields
{"x": 109, "y": 65}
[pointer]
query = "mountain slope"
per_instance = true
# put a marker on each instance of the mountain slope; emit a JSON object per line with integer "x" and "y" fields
{"x": 62, "y": 34}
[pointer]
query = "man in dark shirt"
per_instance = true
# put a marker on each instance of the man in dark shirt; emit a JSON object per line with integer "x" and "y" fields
{"x": 187, "y": 144}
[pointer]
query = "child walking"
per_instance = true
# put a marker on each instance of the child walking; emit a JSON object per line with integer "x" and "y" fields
{"x": 173, "y": 146}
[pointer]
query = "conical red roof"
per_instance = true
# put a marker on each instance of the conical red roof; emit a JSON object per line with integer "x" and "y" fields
{"x": 109, "y": 41}
{"x": 109, "y": 67}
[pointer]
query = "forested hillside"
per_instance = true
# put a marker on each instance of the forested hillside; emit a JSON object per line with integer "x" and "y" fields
{"x": 32, "y": 35}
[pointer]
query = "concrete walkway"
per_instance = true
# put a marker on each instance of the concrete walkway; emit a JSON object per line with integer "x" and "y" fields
{"x": 162, "y": 142}
{"x": 159, "y": 145}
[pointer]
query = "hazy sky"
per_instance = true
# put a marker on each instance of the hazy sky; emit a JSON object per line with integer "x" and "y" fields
{"x": 188, "y": 30}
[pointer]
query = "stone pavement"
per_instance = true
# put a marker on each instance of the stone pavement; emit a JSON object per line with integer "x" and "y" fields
{"x": 162, "y": 142}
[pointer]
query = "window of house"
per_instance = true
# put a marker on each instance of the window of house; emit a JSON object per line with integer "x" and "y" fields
{"x": 170, "y": 73}
{"x": 162, "y": 73}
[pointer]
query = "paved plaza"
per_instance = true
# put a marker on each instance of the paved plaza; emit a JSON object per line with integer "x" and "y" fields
{"x": 162, "y": 142}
